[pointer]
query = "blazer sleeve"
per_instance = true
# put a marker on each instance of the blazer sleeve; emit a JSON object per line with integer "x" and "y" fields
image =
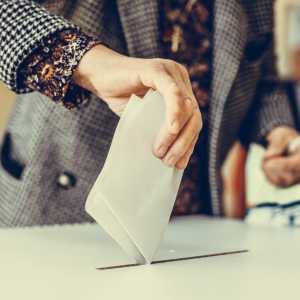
{"x": 23, "y": 25}
{"x": 272, "y": 106}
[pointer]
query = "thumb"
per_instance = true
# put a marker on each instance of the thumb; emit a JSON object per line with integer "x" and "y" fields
{"x": 277, "y": 147}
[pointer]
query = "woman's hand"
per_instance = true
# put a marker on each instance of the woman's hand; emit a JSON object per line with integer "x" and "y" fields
{"x": 114, "y": 78}
{"x": 281, "y": 170}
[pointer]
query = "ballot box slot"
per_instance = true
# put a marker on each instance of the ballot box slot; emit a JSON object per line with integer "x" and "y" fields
{"x": 173, "y": 260}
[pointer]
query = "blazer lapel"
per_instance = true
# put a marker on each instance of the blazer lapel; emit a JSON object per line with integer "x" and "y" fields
{"x": 140, "y": 22}
{"x": 230, "y": 35}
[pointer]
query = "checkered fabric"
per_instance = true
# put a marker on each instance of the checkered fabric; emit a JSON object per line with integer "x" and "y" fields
{"x": 23, "y": 25}
{"x": 50, "y": 141}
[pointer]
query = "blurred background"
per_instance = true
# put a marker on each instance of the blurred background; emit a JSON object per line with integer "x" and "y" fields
{"x": 6, "y": 105}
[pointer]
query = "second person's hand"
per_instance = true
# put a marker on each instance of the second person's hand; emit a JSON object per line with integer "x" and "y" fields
{"x": 114, "y": 78}
{"x": 281, "y": 169}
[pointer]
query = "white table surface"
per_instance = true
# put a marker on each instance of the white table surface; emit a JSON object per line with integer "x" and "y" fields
{"x": 60, "y": 263}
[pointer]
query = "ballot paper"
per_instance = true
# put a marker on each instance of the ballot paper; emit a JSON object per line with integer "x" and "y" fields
{"x": 133, "y": 197}
{"x": 287, "y": 35}
{"x": 259, "y": 189}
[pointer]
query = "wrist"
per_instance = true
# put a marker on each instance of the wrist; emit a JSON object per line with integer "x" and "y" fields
{"x": 98, "y": 60}
{"x": 83, "y": 73}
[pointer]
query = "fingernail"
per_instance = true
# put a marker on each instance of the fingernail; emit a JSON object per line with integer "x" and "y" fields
{"x": 181, "y": 166}
{"x": 170, "y": 160}
{"x": 161, "y": 150}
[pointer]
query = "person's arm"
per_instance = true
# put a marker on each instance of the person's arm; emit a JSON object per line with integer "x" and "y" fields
{"x": 271, "y": 122}
{"x": 272, "y": 105}
{"x": 25, "y": 26}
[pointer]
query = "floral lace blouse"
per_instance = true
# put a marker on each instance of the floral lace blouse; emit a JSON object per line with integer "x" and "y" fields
{"x": 50, "y": 67}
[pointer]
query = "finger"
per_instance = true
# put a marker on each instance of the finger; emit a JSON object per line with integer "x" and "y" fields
{"x": 288, "y": 164}
{"x": 279, "y": 140}
{"x": 181, "y": 74}
{"x": 273, "y": 179}
{"x": 271, "y": 171}
{"x": 287, "y": 180}
{"x": 282, "y": 171}
{"x": 178, "y": 107}
{"x": 164, "y": 140}
{"x": 272, "y": 176}
{"x": 183, "y": 162}
{"x": 184, "y": 140}
{"x": 186, "y": 78}
{"x": 291, "y": 173}
{"x": 293, "y": 162}
{"x": 283, "y": 180}
{"x": 276, "y": 148}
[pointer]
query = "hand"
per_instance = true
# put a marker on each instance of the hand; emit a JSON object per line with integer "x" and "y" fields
{"x": 280, "y": 169}
{"x": 114, "y": 78}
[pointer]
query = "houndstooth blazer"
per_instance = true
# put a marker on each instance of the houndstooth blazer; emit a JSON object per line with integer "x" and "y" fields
{"x": 52, "y": 156}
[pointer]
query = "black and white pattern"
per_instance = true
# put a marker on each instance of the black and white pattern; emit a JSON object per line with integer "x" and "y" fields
{"x": 23, "y": 26}
{"x": 50, "y": 141}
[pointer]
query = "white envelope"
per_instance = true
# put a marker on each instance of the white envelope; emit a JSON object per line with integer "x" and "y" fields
{"x": 135, "y": 192}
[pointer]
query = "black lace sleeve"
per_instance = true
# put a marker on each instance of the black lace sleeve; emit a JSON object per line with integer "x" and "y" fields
{"x": 50, "y": 67}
